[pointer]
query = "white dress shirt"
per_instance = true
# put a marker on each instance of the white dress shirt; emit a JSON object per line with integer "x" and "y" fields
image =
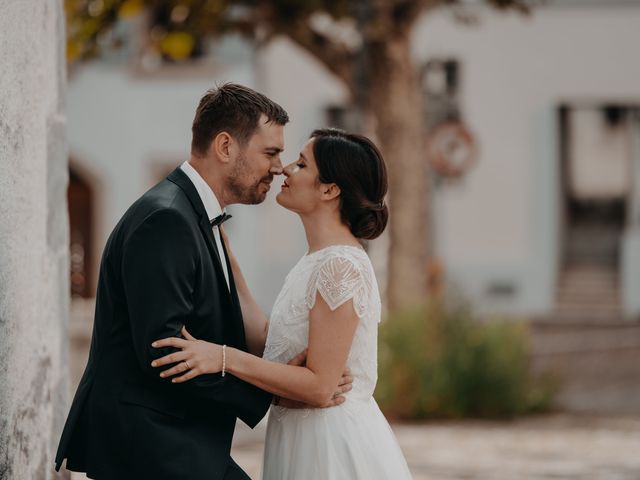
{"x": 212, "y": 206}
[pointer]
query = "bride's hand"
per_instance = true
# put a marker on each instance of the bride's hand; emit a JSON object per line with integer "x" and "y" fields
{"x": 344, "y": 385}
{"x": 196, "y": 357}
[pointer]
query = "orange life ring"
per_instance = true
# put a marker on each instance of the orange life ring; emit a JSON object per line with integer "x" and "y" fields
{"x": 451, "y": 149}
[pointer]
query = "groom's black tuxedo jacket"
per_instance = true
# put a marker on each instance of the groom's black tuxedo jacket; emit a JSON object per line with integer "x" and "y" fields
{"x": 160, "y": 270}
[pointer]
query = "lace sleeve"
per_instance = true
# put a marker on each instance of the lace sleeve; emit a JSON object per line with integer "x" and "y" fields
{"x": 338, "y": 279}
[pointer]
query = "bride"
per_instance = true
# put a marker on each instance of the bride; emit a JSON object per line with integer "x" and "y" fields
{"x": 328, "y": 308}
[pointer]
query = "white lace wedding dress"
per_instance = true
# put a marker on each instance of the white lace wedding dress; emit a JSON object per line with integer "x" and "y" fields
{"x": 350, "y": 441}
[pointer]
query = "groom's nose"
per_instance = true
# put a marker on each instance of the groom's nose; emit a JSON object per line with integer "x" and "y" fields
{"x": 276, "y": 167}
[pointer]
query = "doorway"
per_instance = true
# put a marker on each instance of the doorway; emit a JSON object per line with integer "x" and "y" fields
{"x": 596, "y": 153}
{"x": 80, "y": 199}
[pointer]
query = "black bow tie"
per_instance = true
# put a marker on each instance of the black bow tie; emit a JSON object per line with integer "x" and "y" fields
{"x": 220, "y": 219}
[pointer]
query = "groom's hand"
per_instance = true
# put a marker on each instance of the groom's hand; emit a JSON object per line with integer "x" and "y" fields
{"x": 344, "y": 385}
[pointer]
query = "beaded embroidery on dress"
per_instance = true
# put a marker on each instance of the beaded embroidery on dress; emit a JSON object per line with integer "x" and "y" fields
{"x": 352, "y": 440}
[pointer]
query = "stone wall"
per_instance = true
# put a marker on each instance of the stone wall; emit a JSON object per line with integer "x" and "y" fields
{"x": 34, "y": 288}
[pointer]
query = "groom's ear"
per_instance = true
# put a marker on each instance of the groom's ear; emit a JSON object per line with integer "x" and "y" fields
{"x": 222, "y": 146}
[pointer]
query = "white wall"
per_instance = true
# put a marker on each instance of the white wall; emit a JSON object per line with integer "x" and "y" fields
{"x": 123, "y": 126}
{"x": 34, "y": 263}
{"x": 304, "y": 88}
{"x": 499, "y": 225}
{"x": 126, "y": 129}
{"x": 502, "y": 221}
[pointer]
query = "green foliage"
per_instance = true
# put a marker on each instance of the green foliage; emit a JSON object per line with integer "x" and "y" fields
{"x": 176, "y": 26}
{"x": 90, "y": 23}
{"x": 440, "y": 362}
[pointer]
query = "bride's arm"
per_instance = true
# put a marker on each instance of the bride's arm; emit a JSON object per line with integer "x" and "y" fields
{"x": 330, "y": 336}
{"x": 256, "y": 323}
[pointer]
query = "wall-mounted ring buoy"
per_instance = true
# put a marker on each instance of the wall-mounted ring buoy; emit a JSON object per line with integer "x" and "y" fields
{"x": 451, "y": 149}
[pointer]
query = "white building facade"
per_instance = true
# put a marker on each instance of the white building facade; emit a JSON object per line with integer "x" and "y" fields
{"x": 552, "y": 100}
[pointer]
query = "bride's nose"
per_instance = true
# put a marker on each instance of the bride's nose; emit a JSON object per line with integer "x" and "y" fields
{"x": 288, "y": 169}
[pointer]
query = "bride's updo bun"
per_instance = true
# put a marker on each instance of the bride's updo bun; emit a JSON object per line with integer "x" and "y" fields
{"x": 355, "y": 165}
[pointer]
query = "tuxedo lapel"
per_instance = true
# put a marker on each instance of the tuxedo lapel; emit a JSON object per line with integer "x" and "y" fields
{"x": 233, "y": 326}
{"x": 182, "y": 180}
{"x": 239, "y": 334}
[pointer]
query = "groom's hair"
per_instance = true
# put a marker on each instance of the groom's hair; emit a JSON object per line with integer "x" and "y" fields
{"x": 234, "y": 109}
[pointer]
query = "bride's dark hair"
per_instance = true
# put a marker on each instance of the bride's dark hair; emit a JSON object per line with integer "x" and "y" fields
{"x": 355, "y": 165}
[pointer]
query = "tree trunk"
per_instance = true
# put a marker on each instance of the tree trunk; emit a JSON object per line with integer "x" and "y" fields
{"x": 396, "y": 102}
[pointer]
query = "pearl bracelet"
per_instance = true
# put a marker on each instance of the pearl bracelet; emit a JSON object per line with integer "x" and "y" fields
{"x": 224, "y": 359}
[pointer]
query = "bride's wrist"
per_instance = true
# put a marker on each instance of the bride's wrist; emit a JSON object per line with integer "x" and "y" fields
{"x": 229, "y": 359}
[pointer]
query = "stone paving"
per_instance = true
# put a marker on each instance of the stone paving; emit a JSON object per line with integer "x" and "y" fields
{"x": 571, "y": 447}
{"x": 547, "y": 447}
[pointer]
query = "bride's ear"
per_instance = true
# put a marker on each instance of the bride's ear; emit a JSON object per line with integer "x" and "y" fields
{"x": 330, "y": 191}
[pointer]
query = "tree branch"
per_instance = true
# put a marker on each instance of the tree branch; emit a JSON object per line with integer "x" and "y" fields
{"x": 405, "y": 13}
{"x": 337, "y": 58}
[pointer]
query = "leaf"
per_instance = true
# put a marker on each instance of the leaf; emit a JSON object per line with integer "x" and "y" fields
{"x": 130, "y": 8}
{"x": 178, "y": 45}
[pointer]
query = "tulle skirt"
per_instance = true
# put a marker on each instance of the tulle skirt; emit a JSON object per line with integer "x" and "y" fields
{"x": 351, "y": 441}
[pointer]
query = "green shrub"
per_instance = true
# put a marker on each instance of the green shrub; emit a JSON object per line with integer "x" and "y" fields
{"x": 440, "y": 362}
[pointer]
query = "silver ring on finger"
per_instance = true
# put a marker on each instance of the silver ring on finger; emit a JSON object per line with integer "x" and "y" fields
{"x": 187, "y": 364}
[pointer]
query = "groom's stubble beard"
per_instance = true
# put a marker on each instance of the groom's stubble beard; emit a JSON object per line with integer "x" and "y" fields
{"x": 245, "y": 194}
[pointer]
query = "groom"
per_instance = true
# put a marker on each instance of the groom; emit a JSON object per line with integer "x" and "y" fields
{"x": 164, "y": 267}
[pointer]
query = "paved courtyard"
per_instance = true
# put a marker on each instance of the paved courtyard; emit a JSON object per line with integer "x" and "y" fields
{"x": 548, "y": 447}
{"x": 557, "y": 447}
{"x": 554, "y": 447}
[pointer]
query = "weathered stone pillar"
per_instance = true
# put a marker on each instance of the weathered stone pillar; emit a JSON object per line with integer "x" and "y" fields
{"x": 34, "y": 292}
